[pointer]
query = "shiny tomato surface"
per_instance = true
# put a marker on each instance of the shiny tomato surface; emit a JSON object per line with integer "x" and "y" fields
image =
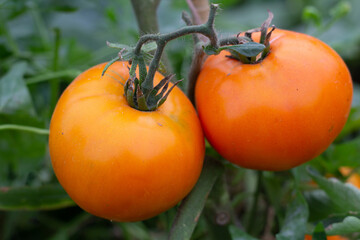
{"x": 117, "y": 162}
{"x": 280, "y": 112}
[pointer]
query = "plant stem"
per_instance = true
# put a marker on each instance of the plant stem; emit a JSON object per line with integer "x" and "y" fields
{"x": 250, "y": 222}
{"x": 71, "y": 73}
{"x": 55, "y": 84}
{"x": 39, "y": 22}
{"x": 36, "y": 130}
{"x": 191, "y": 207}
{"x": 145, "y": 12}
{"x": 161, "y": 40}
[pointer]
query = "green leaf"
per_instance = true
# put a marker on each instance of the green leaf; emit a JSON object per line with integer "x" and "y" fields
{"x": 319, "y": 232}
{"x": 320, "y": 205}
{"x": 238, "y": 234}
{"x": 210, "y": 50}
{"x": 14, "y": 94}
{"x": 296, "y": 217}
{"x": 34, "y": 198}
{"x": 352, "y": 124}
{"x": 349, "y": 225}
{"x": 312, "y": 14}
{"x": 191, "y": 207}
{"x": 148, "y": 47}
{"x": 340, "y": 10}
{"x": 249, "y": 49}
{"x": 345, "y": 196}
{"x": 21, "y": 152}
{"x": 119, "y": 46}
{"x": 345, "y": 154}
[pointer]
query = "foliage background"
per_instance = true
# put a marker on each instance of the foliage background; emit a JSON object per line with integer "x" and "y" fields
{"x": 45, "y": 44}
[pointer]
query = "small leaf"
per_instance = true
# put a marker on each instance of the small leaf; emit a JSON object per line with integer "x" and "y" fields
{"x": 320, "y": 205}
{"x": 14, "y": 94}
{"x": 345, "y": 196}
{"x": 349, "y": 225}
{"x": 238, "y": 234}
{"x": 34, "y": 198}
{"x": 312, "y": 14}
{"x": 264, "y": 27}
{"x": 319, "y": 232}
{"x": 109, "y": 64}
{"x": 210, "y": 50}
{"x": 340, "y": 10}
{"x": 163, "y": 99}
{"x": 148, "y": 47}
{"x": 345, "y": 154}
{"x": 119, "y": 46}
{"x": 249, "y": 49}
{"x": 141, "y": 101}
{"x": 295, "y": 221}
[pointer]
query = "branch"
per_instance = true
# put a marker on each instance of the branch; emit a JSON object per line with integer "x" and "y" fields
{"x": 145, "y": 11}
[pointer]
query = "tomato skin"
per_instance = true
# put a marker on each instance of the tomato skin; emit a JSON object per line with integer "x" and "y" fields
{"x": 117, "y": 162}
{"x": 279, "y": 113}
{"x": 335, "y": 237}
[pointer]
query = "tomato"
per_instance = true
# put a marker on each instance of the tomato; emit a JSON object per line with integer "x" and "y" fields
{"x": 117, "y": 162}
{"x": 280, "y": 112}
{"x": 352, "y": 178}
{"x": 309, "y": 237}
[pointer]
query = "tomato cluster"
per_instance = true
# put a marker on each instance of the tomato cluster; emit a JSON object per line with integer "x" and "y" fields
{"x": 123, "y": 164}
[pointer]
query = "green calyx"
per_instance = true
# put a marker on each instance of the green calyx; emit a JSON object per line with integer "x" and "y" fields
{"x": 147, "y": 99}
{"x": 138, "y": 90}
{"x": 245, "y": 49}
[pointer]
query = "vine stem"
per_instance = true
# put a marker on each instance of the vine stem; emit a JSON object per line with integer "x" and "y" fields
{"x": 161, "y": 40}
{"x": 24, "y": 128}
{"x": 253, "y": 209}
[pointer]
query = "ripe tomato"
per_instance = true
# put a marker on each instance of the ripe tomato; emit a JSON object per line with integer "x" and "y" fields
{"x": 117, "y": 162}
{"x": 279, "y": 113}
{"x": 352, "y": 178}
{"x": 309, "y": 237}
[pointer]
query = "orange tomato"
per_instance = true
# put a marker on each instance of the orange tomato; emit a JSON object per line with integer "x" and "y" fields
{"x": 117, "y": 162}
{"x": 309, "y": 237}
{"x": 280, "y": 112}
{"x": 353, "y": 178}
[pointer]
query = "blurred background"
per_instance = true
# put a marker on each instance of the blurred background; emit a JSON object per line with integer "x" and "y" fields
{"x": 45, "y": 44}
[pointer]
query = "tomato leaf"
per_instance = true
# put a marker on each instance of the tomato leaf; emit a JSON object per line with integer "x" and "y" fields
{"x": 345, "y": 196}
{"x": 312, "y": 14}
{"x": 191, "y": 207}
{"x": 34, "y": 198}
{"x": 345, "y": 154}
{"x": 320, "y": 205}
{"x": 348, "y": 225}
{"x": 238, "y": 234}
{"x": 319, "y": 232}
{"x": 295, "y": 220}
{"x": 249, "y": 49}
{"x": 211, "y": 50}
{"x": 14, "y": 94}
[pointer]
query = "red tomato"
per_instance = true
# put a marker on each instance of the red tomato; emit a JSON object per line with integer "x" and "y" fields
{"x": 279, "y": 113}
{"x": 117, "y": 162}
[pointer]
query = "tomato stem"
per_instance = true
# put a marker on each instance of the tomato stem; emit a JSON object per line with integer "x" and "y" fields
{"x": 244, "y": 49}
